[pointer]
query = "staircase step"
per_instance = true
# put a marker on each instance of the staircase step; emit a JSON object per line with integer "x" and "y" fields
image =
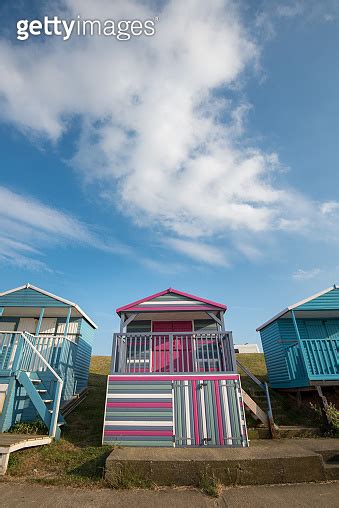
{"x": 332, "y": 471}
{"x": 41, "y": 390}
{"x": 47, "y": 401}
{"x": 36, "y": 381}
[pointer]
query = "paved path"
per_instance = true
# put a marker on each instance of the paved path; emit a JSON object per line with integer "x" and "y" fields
{"x": 310, "y": 495}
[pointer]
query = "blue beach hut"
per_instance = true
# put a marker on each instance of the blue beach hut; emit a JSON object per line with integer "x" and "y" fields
{"x": 301, "y": 342}
{"x": 45, "y": 351}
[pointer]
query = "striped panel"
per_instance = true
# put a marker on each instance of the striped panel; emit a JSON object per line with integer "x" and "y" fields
{"x": 138, "y": 413}
{"x": 198, "y": 410}
{"x": 209, "y": 413}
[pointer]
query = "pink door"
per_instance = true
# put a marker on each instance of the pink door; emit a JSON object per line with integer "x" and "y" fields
{"x": 182, "y": 347}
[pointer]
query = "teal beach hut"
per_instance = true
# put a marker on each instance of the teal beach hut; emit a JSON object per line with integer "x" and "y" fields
{"x": 301, "y": 343}
{"x": 45, "y": 351}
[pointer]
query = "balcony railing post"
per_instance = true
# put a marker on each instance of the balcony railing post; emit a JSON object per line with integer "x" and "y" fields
{"x": 231, "y": 352}
{"x": 18, "y": 352}
{"x": 171, "y": 366}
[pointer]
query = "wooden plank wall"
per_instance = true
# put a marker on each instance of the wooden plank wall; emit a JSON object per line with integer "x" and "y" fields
{"x": 169, "y": 410}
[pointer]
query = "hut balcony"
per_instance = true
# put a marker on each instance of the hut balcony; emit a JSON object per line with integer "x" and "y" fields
{"x": 179, "y": 352}
{"x": 316, "y": 359}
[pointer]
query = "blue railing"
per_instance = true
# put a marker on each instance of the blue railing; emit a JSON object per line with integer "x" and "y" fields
{"x": 317, "y": 359}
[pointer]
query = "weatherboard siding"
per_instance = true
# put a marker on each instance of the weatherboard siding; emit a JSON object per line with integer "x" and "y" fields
{"x": 139, "y": 413}
{"x": 29, "y": 297}
{"x": 174, "y": 410}
{"x": 274, "y": 353}
{"x": 83, "y": 355}
{"x": 327, "y": 301}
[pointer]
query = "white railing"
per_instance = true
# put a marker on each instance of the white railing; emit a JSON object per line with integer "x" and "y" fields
{"x": 28, "y": 346}
{"x": 21, "y": 351}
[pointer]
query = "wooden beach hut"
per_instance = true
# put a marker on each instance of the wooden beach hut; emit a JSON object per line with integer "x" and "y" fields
{"x": 301, "y": 343}
{"x": 173, "y": 379}
{"x": 45, "y": 350}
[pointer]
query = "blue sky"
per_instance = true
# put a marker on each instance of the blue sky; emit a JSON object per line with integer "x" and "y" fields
{"x": 204, "y": 158}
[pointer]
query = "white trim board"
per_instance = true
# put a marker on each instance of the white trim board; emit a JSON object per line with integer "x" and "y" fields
{"x": 51, "y": 295}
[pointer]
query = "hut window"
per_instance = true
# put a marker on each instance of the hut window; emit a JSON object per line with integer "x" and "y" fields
{"x": 142, "y": 326}
{"x": 206, "y": 325}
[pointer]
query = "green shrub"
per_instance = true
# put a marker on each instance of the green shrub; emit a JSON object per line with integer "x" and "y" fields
{"x": 36, "y": 427}
{"x": 332, "y": 416}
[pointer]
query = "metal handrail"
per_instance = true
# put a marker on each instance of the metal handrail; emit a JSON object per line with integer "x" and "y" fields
{"x": 264, "y": 388}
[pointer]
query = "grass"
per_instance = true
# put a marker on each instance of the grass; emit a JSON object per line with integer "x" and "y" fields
{"x": 78, "y": 459}
{"x": 285, "y": 410}
{"x": 210, "y": 485}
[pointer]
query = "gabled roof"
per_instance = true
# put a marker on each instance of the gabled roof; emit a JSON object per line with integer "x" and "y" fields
{"x": 51, "y": 295}
{"x": 185, "y": 301}
{"x": 295, "y": 306}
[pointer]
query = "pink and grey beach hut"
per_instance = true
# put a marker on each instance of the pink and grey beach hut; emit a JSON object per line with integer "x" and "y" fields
{"x": 173, "y": 379}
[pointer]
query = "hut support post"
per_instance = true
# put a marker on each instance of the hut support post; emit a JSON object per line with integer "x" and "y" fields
{"x": 295, "y": 324}
{"x": 38, "y": 326}
{"x": 124, "y": 322}
{"x": 67, "y": 321}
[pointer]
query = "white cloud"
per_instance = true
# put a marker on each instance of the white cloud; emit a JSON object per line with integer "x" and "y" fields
{"x": 306, "y": 274}
{"x": 156, "y": 140}
{"x": 28, "y": 227}
{"x": 329, "y": 207}
{"x": 198, "y": 251}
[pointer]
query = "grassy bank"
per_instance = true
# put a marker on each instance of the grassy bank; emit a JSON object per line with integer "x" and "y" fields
{"x": 78, "y": 458}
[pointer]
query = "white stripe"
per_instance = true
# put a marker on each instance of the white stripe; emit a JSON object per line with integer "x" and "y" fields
{"x": 203, "y": 412}
{"x": 227, "y": 414}
{"x": 187, "y": 412}
{"x": 131, "y": 423}
{"x": 243, "y": 427}
{"x": 139, "y": 396}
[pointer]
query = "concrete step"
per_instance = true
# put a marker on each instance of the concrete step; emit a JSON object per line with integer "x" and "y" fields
{"x": 264, "y": 462}
{"x": 332, "y": 471}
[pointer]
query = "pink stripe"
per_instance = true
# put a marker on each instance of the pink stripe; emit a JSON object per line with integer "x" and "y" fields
{"x": 152, "y": 377}
{"x": 195, "y": 413}
{"x": 217, "y": 399}
{"x": 139, "y": 404}
{"x": 138, "y": 433}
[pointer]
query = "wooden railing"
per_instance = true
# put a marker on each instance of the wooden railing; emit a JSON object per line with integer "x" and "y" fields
{"x": 49, "y": 347}
{"x": 23, "y": 353}
{"x": 317, "y": 358}
{"x": 172, "y": 353}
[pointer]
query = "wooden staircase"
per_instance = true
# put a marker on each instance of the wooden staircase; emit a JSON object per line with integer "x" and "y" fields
{"x": 42, "y": 400}
{"x": 25, "y": 367}
{"x": 264, "y": 416}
